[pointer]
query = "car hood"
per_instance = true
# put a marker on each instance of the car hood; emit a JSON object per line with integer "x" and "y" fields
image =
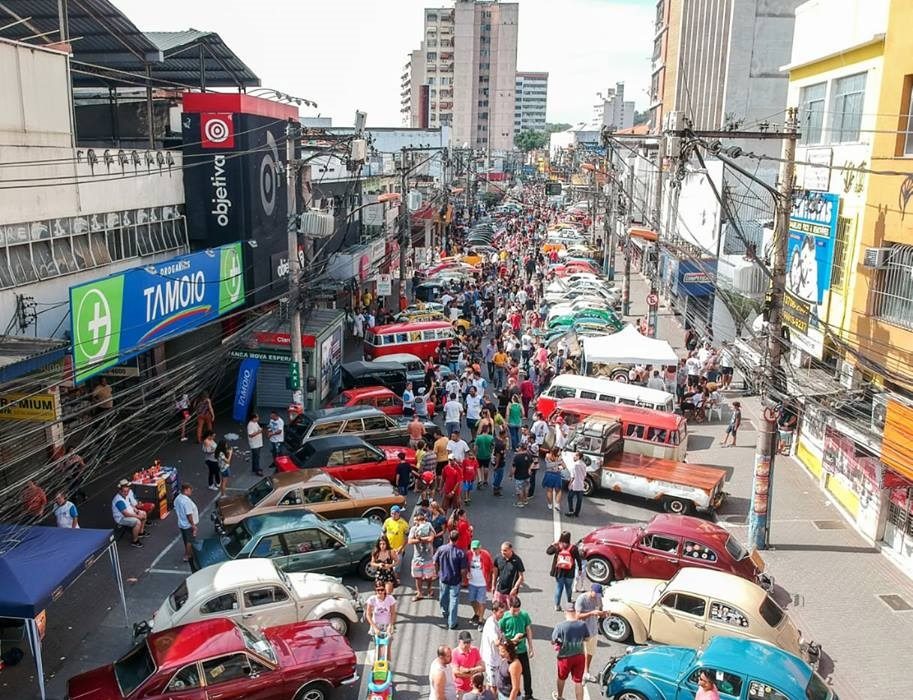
{"x": 97, "y": 683}
{"x": 367, "y": 489}
{"x": 209, "y": 551}
{"x": 360, "y": 530}
{"x": 317, "y": 585}
{"x": 625, "y": 535}
{"x": 632, "y": 590}
{"x": 660, "y": 661}
{"x": 233, "y": 508}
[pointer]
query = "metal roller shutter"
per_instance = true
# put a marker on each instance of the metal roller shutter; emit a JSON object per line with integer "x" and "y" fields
{"x": 271, "y": 390}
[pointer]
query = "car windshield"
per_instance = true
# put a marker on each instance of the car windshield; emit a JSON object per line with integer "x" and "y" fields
{"x": 817, "y": 690}
{"x": 257, "y": 644}
{"x": 259, "y": 491}
{"x": 132, "y": 670}
{"x": 177, "y": 599}
{"x": 339, "y": 483}
{"x": 771, "y": 612}
{"x": 235, "y": 540}
{"x": 735, "y": 548}
{"x": 337, "y": 530}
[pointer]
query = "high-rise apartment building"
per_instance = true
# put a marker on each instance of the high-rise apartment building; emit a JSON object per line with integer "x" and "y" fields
{"x": 531, "y": 99}
{"x": 465, "y": 75}
{"x": 612, "y": 110}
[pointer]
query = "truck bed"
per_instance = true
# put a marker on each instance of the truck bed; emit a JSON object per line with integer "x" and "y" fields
{"x": 699, "y": 476}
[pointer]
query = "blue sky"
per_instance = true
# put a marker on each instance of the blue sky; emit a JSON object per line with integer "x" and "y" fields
{"x": 348, "y": 54}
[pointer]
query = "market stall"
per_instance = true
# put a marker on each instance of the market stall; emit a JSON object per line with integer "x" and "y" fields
{"x": 627, "y": 347}
{"x": 158, "y": 486}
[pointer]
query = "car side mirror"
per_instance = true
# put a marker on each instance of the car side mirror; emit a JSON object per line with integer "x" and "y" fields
{"x": 337, "y": 545}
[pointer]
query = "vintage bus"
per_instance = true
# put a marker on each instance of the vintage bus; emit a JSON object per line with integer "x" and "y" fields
{"x": 645, "y": 431}
{"x": 420, "y": 339}
{"x": 575, "y": 386}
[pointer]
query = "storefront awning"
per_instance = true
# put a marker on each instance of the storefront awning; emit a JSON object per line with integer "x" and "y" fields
{"x": 20, "y": 356}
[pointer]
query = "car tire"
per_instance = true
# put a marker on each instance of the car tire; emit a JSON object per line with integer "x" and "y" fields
{"x": 589, "y": 486}
{"x": 630, "y": 695}
{"x": 620, "y": 376}
{"x": 364, "y": 568}
{"x": 318, "y": 690}
{"x": 615, "y": 628}
{"x": 339, "y": 623}
{"x": 600, "y": 570}
{"x": 678, "y": 506}
{"x": 377, "y": 515}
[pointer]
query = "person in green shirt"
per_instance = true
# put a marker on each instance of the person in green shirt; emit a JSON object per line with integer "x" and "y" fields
{"x": 514, "y": 420}
{"x": 517, "y": 627}
{"x": 483, "y": 445}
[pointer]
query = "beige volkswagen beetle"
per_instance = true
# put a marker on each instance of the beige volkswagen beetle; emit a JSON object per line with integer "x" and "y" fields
{"x": 695, "y": 605}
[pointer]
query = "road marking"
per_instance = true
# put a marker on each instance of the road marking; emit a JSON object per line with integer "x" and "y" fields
{"x": 184, "y": 572}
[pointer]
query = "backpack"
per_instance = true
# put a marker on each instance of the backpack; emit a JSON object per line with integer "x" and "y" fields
{"x": 564, "y": 560}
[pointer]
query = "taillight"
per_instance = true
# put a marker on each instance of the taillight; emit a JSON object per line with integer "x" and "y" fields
{"x": 284, "y": 464}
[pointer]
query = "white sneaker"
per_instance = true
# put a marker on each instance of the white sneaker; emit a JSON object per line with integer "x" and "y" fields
{"x": 548, "y": 505}
{"x": 213, "y": 487}
{"x": 587, "y": 678}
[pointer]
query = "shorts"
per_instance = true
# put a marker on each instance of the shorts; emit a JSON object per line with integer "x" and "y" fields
{"x": 503, "y": 598}
{"x": 726, "y": 371}
{"x": 484, "y": 463}
{"x": 468, "y": 486}
{"x": 589, "y": 646}
{"x": 439, "y": 467}
{"x": 129, "y": 522}
{"x": 471, "y": 423}
{"x": 478, "y": 594}
{"x": 731, "y": 430}
{"x": 225, "y": 473}
{"x": 573, "y": 666}
{"x": 183, "y": 415}
{"x": 423, "y": 569}
{"x": 186, "y": 534}
{"x": 521, "y": 485}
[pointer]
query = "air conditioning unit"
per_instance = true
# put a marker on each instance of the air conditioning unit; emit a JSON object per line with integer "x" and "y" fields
{"x": 850, "y": 377}
{"x": 879, "y": 409}
{"x": 317, "y": 224}
{"x": 876, "y": 258}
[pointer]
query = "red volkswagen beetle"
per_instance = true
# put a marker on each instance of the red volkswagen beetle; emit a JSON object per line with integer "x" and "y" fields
{"x": 662, "y": 546}
{"x": 220, "y": 658}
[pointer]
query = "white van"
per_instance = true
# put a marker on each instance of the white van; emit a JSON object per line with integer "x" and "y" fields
{"x": 574, "y": 386}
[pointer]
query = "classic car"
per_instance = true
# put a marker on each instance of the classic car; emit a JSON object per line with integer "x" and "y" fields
{"x": 297, "y": 541}
{"x": 313, "y": 489}
{"x": 370, "y": 424}
{"x": 664, "y": 545}
{"x": 680, "y": 487}
{"x": 590, "y": 314}
{"x": 257, "y": 594}
{"x": 695, "y": 605}
{"x": 415, "y": 367}
{"x": 346, "y": 457}
{"x": 379, "y": 397}
{"x": 742, "y": 669}
{"x": 220, "y": 658}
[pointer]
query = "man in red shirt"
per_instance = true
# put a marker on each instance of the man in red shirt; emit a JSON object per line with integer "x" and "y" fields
{"x": 527, "y": 391}
{"x": 452, "y": 478}
{"x": 464, "y": 530}
{"x": 467, "y": 661}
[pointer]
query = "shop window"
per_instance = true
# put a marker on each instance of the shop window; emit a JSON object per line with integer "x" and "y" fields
{"x": 848, "y": 95}
{"x": 144, "y": 240}
{"x": 99, "y": 248}
{"x": 128, "y": 234}
{"x": 21, "y": 264}
{"x": 43, "y": 257}
{"x": 115, "y": 244}
{"x": 63, "y": 255}
{"x": 81, "y": 252}
{"x": 811, "y": 112}
{"x": 158, "y": 239}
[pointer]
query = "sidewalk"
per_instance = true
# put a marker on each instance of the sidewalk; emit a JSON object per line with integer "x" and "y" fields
{"x": 826, "y": 575}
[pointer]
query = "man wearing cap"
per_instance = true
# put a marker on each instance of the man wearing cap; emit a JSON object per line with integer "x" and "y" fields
{"x": 421, "y": 537}
{"x": 396, "y": 529}
{"x": 569, "y": 638}
{"x": 480, "y": 567}
{"x": 589, "y": 609}
{"x": 467, "y": 661}
{"x": 127, "y": 513}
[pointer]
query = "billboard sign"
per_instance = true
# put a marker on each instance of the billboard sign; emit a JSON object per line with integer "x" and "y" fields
{"x": 120, "y": 316}
{"x": 695, "y": 278}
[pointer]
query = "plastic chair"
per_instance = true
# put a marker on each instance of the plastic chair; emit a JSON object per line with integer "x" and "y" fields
{"x": 715, "y": 407}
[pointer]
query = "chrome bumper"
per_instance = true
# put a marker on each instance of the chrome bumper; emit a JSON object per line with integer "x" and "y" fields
{"x": 354, "y": 678}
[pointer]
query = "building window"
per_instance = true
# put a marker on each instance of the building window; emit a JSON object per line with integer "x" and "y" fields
{"x": 811, "y": 112}
{"x": 431, "y": 55}
{"x": 906, "y": 117}
{"x": 846, "y": 106}
{"x": 893, "y": 291}
{"x": 841, "y": 247}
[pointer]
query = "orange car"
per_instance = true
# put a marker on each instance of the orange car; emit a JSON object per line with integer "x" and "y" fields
{"x": 379, "y": 397}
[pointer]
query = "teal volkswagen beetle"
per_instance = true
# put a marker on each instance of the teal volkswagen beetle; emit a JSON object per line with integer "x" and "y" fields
{"x": 741, "y": 669}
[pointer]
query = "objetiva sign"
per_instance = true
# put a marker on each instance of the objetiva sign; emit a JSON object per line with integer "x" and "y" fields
{"x": 117, "y": 317}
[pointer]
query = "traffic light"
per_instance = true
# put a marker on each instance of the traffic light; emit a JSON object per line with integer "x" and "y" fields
{"x": 293, "y": 382}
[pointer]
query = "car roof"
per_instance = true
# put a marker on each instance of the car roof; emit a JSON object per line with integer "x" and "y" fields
{"x": 787, "y": 673}
{"x": 360, "y": 367}
{"x": 341, "y": 412}
{"x": 229, "y": 575}
{"x": 629, "y": 414}
{"x": 195, "y": 640}
{"x": 304, "y": 477}
{"x": 361, "y": 391}
{"x": 401, "y": 357}
{"x": 740, "y": 591}
{"x": 335, "y": 441}
{"x": 687, "y": 525}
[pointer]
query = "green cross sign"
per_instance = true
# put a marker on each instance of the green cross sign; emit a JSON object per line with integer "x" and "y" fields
{"x": 97, "y": 313}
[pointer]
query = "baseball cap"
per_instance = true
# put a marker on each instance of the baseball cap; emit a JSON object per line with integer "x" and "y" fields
{"x": 475, "y": 544}
{"x": 465, "y": 636}
{"x": 395, "y": 509}
{"x": 427, "y": 477}
{"x": 596, "y": 588}
{"x": 122, "y": 483}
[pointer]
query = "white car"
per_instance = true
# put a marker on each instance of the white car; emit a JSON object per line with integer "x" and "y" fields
{"x": 257, "y": 594}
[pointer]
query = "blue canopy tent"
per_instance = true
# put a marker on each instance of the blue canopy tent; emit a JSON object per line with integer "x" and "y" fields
{"x": 38, "y": 563}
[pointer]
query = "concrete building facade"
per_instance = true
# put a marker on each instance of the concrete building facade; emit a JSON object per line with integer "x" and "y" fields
{"x": 464, "y": 73}
{"x": 612, "y": 110}
{"x": 531, "y": 101}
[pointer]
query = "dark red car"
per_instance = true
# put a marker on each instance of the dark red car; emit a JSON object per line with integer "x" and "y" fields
{"x": 220, "y": 659}
{"x": 659, "y": 548}
{"x": 372, "y": 396}
{"x": 347, "y": 457}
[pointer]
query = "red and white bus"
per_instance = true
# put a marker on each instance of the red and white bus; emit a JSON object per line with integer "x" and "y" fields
{"x": 645, "y": 431}
{"x": 421, "y": 339}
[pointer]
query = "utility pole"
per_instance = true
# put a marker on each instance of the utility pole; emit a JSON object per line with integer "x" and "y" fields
{"x": 763, "y": 481}
{"x": 296, "y": 370}
{"x": 404, "y": 233}
{"x": 608, "y": 259}
{"x": 653, "y": 315}
{"x": 626, "y": 291}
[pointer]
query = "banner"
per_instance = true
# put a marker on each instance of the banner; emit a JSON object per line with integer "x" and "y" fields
{"x": 34, "y": 408}
{"x": 244, "y": 389}
{"x": 119, "y": 316}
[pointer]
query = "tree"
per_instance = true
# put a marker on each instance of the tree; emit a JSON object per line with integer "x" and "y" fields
{"x": 641, "y": 117}
{"x": 530, "y": 140}
{"x": 560, "y": 126}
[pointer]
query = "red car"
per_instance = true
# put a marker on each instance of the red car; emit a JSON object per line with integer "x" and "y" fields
{"x": 346, "y": 457}
{"x": 220, "y": 659}
{"x": 662, "y": 546}
{"x": 379, "y": 397}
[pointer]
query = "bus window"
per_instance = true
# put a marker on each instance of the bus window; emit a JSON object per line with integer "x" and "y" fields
{"x": 635, "y": 431}
{"x": 429, "y": 335}
{"x": 587, "y": 394}
{"x": 627, "y": 402}
{"x": 606, "y": 397}
{"x": 562, "y": 392}
{"x": 674, "y": 437}
{"x": 369, "y": 338}
{"x": 402, "y": 338}
{"x": 656, "y": 435}
{"x": 415, "y": 336}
